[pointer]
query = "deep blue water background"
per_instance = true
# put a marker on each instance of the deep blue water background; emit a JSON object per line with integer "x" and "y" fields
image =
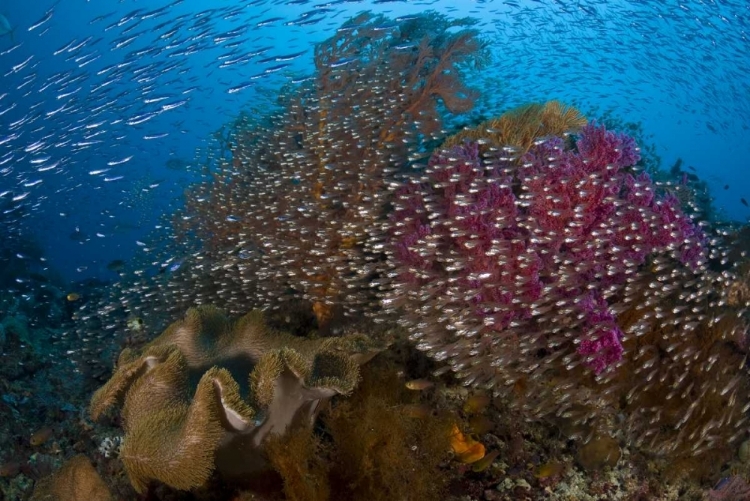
{"x": 680, "y": 68}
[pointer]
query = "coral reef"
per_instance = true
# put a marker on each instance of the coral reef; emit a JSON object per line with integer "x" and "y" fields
{"x": 179, "y": 432}
{"x": 299, "y": 208}
{"x": 565, "y": 280}
{"x": 532, "y": 255}
{"x": 370, "y": 446}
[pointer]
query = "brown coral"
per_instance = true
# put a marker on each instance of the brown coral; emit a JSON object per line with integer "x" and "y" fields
{"x": 179, "y": 433}
{"x": 522, "y": 126}
{"x": 297, "y": 457}
{"x": 382, "y": 452}
{"x": 307, "y": 191}
{"x": 75, "y": 481}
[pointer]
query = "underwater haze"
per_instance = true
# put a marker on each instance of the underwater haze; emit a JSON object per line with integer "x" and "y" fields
{"x": 375, "y": 249}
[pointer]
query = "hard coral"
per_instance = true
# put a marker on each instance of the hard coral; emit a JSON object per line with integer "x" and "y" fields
{"x": 178, "y": 432}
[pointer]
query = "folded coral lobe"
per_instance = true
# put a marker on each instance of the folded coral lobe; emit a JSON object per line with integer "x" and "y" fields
{"x": 179, "y": 433}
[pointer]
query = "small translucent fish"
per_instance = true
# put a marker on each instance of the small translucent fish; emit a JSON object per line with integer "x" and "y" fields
{"x": 419, "y": 384}
{"x": 47, "y": 16}
{"x": 41, "y": 436}
{"x": 342, "y": 62}
{"x": 476, "y": 403}
{"x": 156, "y": 136}
{"x": 175, "y": 265}
{"x": 45, "y": 168}
{"x": 73, "y": 296}
{"x": 238, "y": 88}
{"x": 485, "y": 462}
{"x": 268, "y": 21}
{"x": 171, "y": 106}
{"x": 549, "y": 469}
{"x": 120, "y": 161}
{"x": 246, "y": 253}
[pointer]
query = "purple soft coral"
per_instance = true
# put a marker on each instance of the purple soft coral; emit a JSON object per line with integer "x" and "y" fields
{"x": 503, "y": 257}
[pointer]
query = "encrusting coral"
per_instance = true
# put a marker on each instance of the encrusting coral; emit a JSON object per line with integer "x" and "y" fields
{"x": 178, "y": 432}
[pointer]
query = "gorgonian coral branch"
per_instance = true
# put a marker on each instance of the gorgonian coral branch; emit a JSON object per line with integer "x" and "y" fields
{"x": 312, "y": 198}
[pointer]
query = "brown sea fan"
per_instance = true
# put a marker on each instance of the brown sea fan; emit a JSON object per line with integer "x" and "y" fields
{"x": 308, "y": 191}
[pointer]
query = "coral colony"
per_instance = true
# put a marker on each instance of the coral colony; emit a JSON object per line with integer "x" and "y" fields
{"x": 175, "y": 431}
{"x": 532, "y": 255}
{"x": 504, "y": 263}
{"x": 518, "y": 270}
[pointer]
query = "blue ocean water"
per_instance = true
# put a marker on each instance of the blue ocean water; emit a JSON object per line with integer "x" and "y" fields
{"x": 107, "y": 107}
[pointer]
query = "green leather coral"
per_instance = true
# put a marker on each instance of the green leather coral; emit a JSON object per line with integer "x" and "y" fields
{"x": 178, "y": 432}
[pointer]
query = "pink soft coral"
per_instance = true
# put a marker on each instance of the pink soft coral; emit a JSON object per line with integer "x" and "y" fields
{"x": 492, "y": 250}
